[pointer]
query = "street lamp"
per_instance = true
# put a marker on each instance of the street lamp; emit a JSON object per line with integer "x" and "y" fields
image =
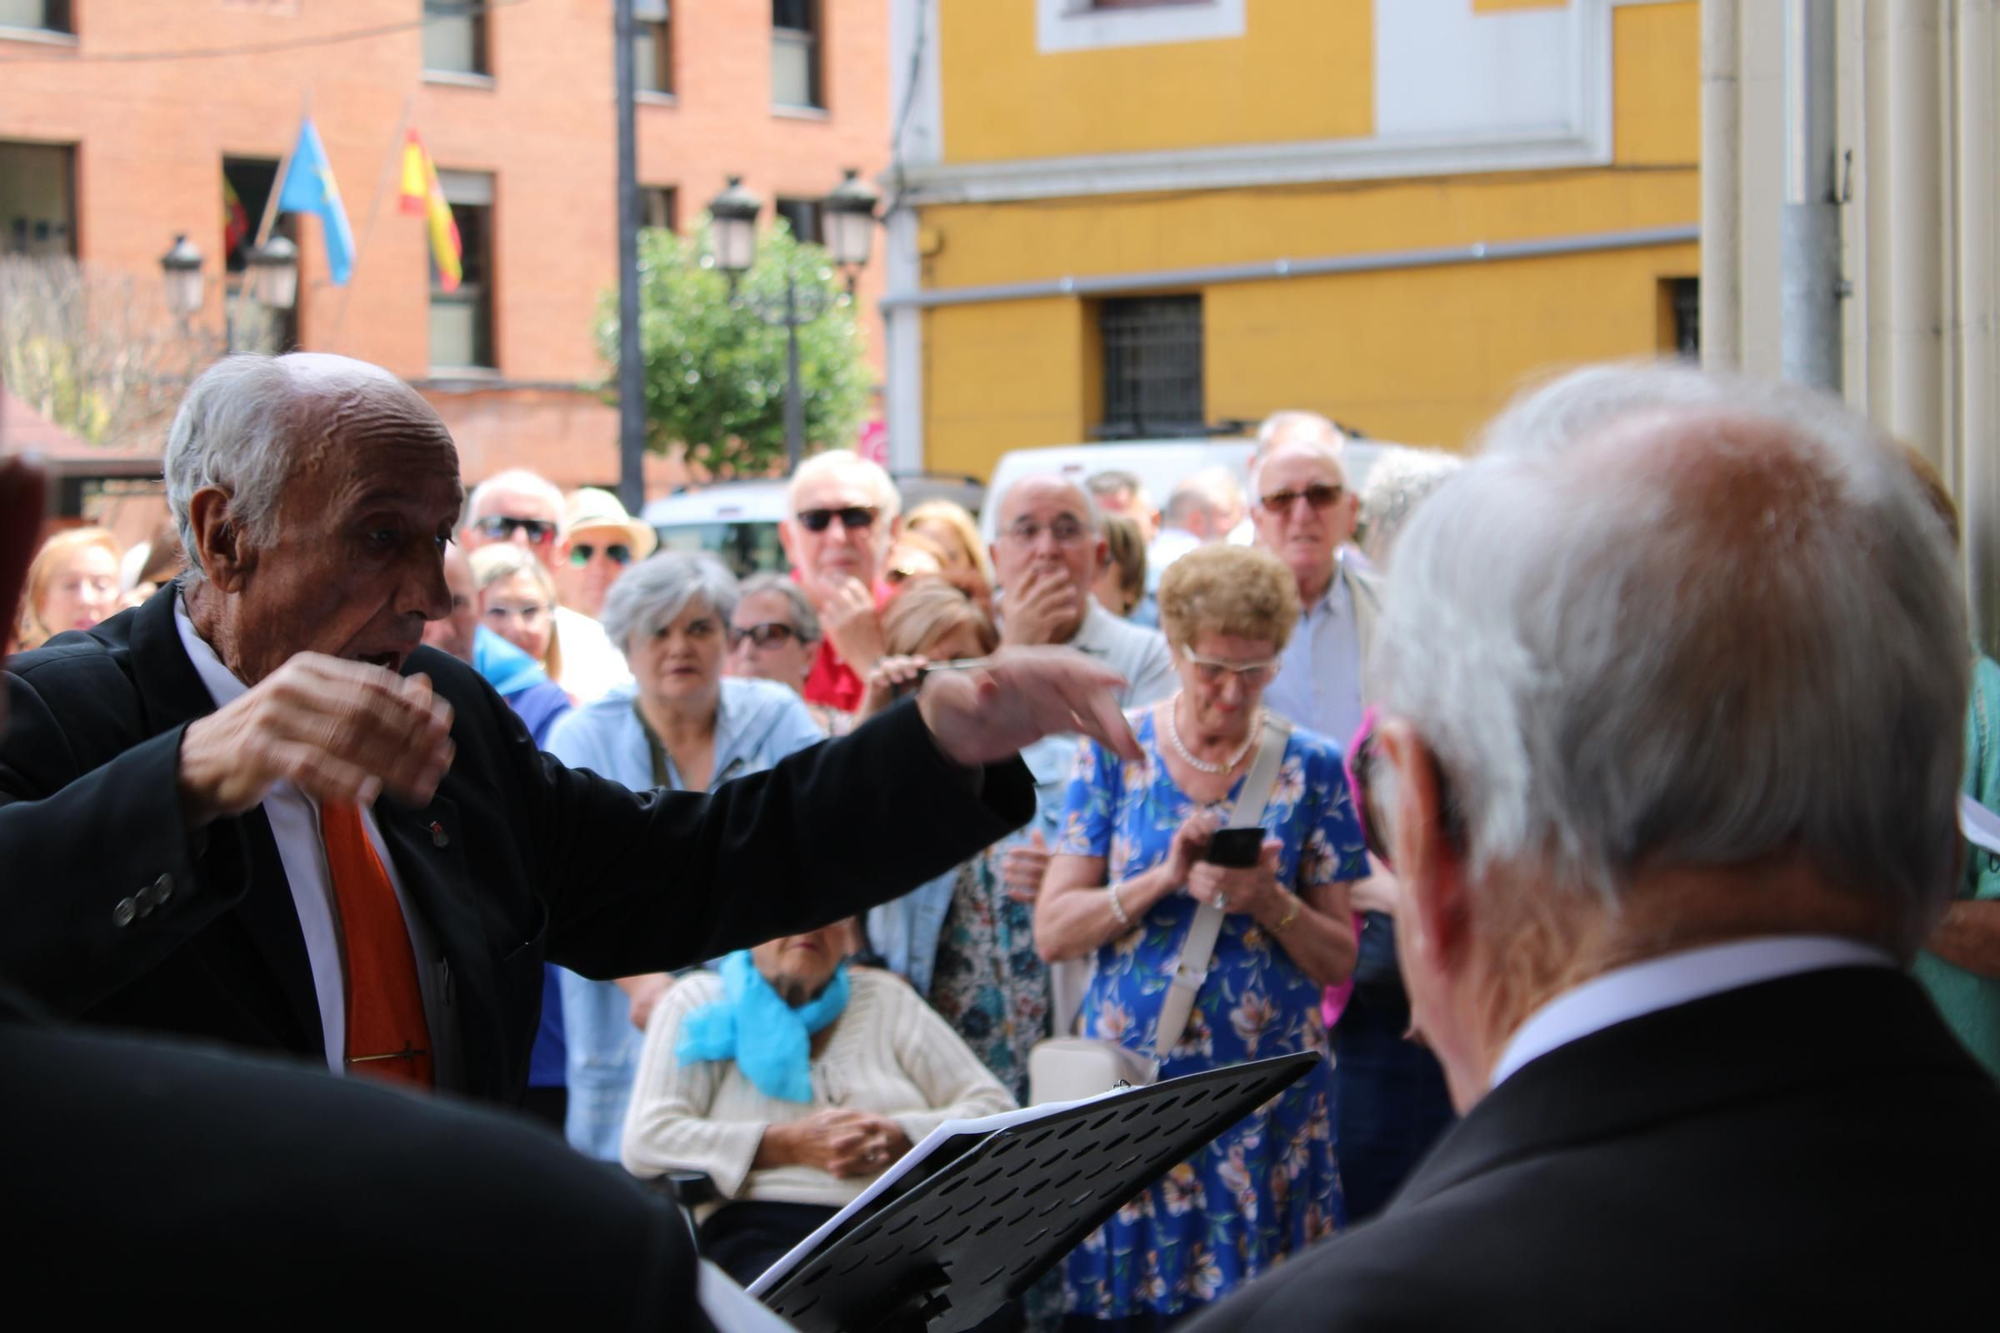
{"x": 849, "y": 213}
{"x": 850, "y": 222}
{"x": 271, "y": 284}
{"x": 732, "y": 229}
{"x": 274, "y": 273}
{"x": 181, "y": 268}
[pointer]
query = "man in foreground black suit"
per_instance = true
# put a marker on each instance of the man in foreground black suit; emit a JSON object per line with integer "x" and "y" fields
{"x": 1674, "y": 676}
{"x": 189, "y": 812}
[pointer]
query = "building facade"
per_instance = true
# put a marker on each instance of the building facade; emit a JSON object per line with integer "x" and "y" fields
{"x": 1139, "y": 218}
{"x": 124, "y": 124}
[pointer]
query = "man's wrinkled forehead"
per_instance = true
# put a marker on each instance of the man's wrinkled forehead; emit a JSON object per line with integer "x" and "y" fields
{"x": 1052, "y": 494}
{"x": 381, "y": 433}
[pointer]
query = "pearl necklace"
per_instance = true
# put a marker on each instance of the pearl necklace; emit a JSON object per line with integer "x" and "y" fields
{"x": 1174, "y": 739}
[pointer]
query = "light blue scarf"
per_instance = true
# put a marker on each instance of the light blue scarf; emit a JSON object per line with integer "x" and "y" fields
{"x": 770, "y": 1041}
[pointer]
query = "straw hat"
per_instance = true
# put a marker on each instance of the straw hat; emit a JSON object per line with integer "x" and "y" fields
{"x": 589, "y": 507}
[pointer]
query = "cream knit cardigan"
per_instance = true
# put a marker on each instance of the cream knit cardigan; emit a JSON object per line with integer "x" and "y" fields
{"x": 888, "y": 1053}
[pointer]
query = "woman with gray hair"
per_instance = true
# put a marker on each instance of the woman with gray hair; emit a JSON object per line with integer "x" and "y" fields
{"x": 679, "y": 724}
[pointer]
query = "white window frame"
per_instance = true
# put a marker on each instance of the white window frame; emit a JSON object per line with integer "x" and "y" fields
{"x": 1072, "y": 25}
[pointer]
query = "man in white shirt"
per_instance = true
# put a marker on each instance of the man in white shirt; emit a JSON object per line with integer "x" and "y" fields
{"x": 525, "y": 508}
{"x": 1673, "y": 678}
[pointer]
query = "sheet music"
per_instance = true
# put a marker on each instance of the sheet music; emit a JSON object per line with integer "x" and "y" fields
{"x": 909, "y": 1162}
{"x": 1980, "y": 825}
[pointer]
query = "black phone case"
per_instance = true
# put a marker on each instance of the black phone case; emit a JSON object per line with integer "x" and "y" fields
{"x": 1235, "y": 848}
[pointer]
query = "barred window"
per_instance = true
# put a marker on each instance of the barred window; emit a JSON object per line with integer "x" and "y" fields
{"x": 1152, "y": 367}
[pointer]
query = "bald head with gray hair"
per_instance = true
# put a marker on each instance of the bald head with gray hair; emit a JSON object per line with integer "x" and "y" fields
{"x": 249, "y": 422}
{"x": 1674, "y": 621}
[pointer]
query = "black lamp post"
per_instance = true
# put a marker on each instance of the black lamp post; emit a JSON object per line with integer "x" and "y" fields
{"x": 271, "y": 283}
{"x": 850, "y": 222}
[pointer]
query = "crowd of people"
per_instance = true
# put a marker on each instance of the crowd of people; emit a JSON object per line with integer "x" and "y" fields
{"x": 870, "y": 938}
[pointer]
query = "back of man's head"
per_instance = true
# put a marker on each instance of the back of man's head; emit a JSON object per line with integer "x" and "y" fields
{"x": 1676, "y": 622}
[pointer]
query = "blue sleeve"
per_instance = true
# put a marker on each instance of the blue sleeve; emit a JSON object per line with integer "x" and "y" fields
{"x": 1088, "y": 806}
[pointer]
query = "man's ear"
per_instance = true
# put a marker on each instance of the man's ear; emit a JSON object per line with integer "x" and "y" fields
{"x": 227, "y": 559}
{"x": 1434, "y": 921}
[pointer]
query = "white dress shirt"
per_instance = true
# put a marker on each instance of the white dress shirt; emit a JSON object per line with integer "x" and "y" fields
{"x": 1676, "y": 979}
{"x": 294, "y": 819}
{"x": 592, "y": 666}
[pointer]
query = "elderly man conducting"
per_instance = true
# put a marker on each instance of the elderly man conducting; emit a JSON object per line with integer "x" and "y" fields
{"x": 845, "y": 515}
{"x": 255, "y": 809}
{"x": 1674, "y": 677}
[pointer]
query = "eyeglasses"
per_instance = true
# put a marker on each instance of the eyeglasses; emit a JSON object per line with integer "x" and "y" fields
{"x": 618, "y": 553}
{"x": 1066, "y": 530}
{"x": 1211, "y": 670}
{"x": 502, "y": 527}
{"x": 764, "y": 635}
{"x": 1319, "y": 495}
{"x": 852, "y": 517}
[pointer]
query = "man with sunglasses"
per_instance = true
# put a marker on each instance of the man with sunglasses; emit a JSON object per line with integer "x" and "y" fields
{"x": 1673, "y": 685}
{"x": 526, "y": 509}
{"x": 1304, "y": 514}
{"x": 845, "y": 514}
{"x": 599, "y": 541}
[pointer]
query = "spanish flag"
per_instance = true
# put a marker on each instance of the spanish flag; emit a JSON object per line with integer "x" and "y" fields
{"x": 422, "y": 194}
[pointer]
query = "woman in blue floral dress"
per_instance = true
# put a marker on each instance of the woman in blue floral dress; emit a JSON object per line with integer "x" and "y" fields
{"x": 1125, "y": 883}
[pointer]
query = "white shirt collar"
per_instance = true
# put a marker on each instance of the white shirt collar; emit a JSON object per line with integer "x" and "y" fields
{"x": 1663, "y": 983}
{"x": 223, "y": 685}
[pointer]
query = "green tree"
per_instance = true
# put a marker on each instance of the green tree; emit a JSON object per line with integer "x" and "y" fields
{"x": 715, "y": 372}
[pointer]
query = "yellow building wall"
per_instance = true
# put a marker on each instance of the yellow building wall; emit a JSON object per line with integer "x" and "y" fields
{"x": 1303, "y": 70}
{"x": 1422, "y": 356}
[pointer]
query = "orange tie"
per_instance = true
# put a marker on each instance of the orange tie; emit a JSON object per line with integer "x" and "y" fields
{"x": 387, "y": 1037}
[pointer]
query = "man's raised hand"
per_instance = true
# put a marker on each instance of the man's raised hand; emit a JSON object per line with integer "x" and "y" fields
{"x": 338, "y": 730}
{"x": 986, "y": 714}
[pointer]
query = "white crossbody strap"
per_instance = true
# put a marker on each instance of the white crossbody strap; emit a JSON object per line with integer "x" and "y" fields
{"x": 1192, "y": 969}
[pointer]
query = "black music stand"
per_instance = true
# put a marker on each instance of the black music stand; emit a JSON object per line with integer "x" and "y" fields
{"x": 954, "y": 1243}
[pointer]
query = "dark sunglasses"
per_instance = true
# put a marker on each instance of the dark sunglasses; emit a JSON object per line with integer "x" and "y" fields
{"x": 764, "y": 635}
{"x": 1374, "y": 829}
{"x": 618, "y": 553}
{"x": 502, "y": 527}
{"x": 852, "y": 517}
{"x": 1319, "y": 495}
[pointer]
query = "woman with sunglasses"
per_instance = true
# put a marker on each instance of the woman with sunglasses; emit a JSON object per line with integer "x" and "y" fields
{"x": 1126, "y": 878}
{"x": 680, "y": 724}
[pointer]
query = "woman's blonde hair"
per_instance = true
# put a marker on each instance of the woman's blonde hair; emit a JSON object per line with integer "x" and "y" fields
{"x": 503, "y": 560}
{"x": 962, "y": 527}
{"x": 925, "y": 611}
{"x": 1126, "y": 543}
{"x": 1234, "y": 590}
{"x": 32, "y": 632}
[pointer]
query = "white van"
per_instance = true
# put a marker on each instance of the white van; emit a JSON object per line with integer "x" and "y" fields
{"x": 1160, "y": 464}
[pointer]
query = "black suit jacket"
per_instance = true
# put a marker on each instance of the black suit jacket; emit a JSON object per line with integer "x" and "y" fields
{"x": 151, "y": 1179}
{"x": 1812, "y": 1152}
{"x": 113, "y": 912}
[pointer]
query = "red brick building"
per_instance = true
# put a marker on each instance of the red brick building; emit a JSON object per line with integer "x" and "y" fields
{"x": 119, "y": 123}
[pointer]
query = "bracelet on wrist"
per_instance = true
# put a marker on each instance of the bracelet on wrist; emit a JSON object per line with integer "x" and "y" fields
{"x": 1293, "y": 904}
{"x": 1118, "y": 908}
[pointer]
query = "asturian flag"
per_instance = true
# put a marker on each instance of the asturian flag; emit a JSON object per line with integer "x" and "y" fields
{"x": 309, "y": 188}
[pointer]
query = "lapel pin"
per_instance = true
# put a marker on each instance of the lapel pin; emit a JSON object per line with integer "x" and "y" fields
{"x": 439, "y": 838}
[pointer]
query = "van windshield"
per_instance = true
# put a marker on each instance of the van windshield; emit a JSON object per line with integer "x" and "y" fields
{"x": 747, "y": 548}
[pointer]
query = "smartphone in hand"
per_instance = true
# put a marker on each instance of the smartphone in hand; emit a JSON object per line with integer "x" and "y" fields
{"x": 1235, "y": 848}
